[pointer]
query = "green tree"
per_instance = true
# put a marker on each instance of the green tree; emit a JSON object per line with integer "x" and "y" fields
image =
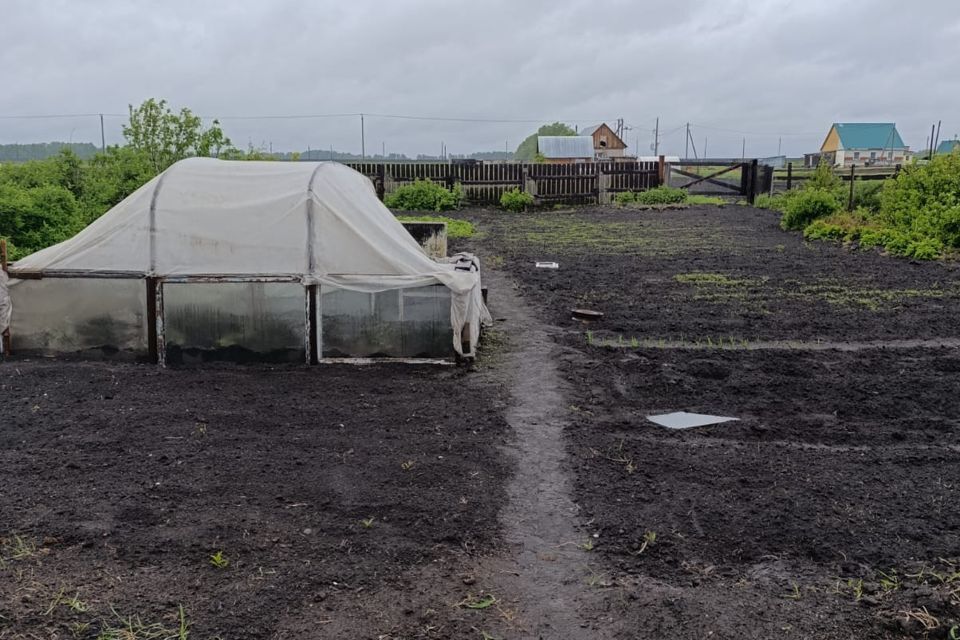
{"x": 527, "y": 151}
{"x": 165, "y": 137}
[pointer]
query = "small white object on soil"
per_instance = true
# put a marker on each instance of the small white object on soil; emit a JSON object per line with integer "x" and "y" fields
{"x": 684, "y": 420}
{"x": 547, "y": 265}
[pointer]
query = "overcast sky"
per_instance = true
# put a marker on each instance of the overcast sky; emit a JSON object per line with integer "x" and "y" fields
{"x": 764, "y": 69}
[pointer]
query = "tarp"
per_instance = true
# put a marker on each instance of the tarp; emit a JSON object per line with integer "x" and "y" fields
{"x": 6, "y": 308}
{"x": 318, "y": 221}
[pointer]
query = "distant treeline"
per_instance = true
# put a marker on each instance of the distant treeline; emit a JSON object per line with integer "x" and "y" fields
{"x": 86, "y": 150}
{"x": 44, "y": 150}
{"x": 343, "y": 156}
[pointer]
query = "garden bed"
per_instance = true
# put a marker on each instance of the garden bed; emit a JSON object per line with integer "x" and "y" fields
{"x": 325, "y": 490}
{"x": 830, "y": 508}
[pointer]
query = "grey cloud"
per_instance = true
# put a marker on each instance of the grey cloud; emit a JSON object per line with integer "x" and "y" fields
{"x": 774, "y": 69}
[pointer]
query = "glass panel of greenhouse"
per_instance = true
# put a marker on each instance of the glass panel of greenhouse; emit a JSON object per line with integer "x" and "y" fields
{"x": 401, "y": 323}
{"x": 87, "y": 318}
{"x": 235, "y": 321}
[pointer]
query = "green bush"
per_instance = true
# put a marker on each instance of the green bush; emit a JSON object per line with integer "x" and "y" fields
{"x": 660, "y": 195}
{"x": 925, "y": 200}
{"x": 625, "y": 197}
{"x": 866, "y": 194}
{"x": 824, "y": 178}
{"x": 424, "y": 195}
{"x": 823, "y": 230}
{"x": 806, "y": 206}
{"x": 515, "y": 200}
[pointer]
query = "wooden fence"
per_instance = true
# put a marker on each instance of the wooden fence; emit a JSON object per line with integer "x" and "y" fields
{"x": 792, "y": 178}
{"x": 484, "y": 183}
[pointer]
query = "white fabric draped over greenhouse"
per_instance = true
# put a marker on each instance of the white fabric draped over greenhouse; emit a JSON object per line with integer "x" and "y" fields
{"x": 317, "y": 223}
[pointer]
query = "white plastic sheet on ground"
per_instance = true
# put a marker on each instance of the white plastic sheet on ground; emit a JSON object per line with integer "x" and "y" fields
{"x": 684, "y": 420}
{"x": 321, "y": 222}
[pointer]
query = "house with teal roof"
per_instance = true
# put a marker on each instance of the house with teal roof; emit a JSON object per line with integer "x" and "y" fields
{"x": 863, "y": 144}
{"x": 948, "y": 146}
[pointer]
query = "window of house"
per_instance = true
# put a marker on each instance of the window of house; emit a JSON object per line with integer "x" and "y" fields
{"x": 856, "y": 155}
{"x": 873, "y": 155}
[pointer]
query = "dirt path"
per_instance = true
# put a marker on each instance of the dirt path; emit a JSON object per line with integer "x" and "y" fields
{"x": 548, "y": 576}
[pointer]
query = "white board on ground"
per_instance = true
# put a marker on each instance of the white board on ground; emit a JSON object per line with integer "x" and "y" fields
{"x": 684, "y": 420}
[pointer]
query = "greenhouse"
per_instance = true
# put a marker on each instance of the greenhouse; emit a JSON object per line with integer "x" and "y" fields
{"x": 261, "y": 261}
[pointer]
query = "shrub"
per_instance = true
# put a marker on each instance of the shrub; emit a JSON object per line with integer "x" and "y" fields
{"x": 806, "y": 206}
{"x": 823, "y": 230}
{"x": 867, "y": 194}
{"x": 424, "y": 195}
{"x": 515, "y": 200}
{"x": 925, "y": 200}
{"x": 824, "y": 178}
{"x": 660, "y": 195}
{"x": 625, "y": 197}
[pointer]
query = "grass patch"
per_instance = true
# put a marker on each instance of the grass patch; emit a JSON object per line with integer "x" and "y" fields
{"x": 455, "y": 228}
{"x": 574, "y": 235}
{"x": 694, "y": 198}
{"x": 717, "y": 279}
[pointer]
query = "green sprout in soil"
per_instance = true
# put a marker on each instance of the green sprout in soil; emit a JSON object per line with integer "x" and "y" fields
{"x": 17, "y": 548}
{"x": 587, "y": 546}
{"x": 134, "y": 628}
{"x": 367, "y": 522}
{"x": 407, "y": 465}
{"x": 856, "y": 586}
{"x": 649, "y": 539}
{"x": 73, "y": 603}
{"x": 479, "y": 603}
{"x": 889, "y": 581}
{"x": 219, "y": 560}
{"x": 794, "y": 593}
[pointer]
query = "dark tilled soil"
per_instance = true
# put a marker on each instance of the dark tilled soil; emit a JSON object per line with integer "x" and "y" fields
{"x": 725, "y": 274}
{"x": 830, "y": 509}
{"x": 120, "y": 482}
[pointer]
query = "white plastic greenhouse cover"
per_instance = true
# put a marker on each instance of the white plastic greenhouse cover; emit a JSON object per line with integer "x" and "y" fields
{"x": 321, "y": 222}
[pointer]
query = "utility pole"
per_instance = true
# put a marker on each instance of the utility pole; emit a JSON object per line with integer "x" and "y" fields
{"x": 930, "y": 149}
{"x": 705, "y": 147}
{"x": 363, "y": 139}
{"x": 779, "y": 142}
{"x": 656, "y": 138}
{"x": 936, "y": 138}
{"x": 743, "y": 150}
{"x": 686, "y": 149}
{"x": 383, "y": 149}
{"x": 103, "y": 139}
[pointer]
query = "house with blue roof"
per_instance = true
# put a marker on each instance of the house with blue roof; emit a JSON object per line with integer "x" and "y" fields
{"x": 948, "y": 146}
{"x": 862, "y": 144}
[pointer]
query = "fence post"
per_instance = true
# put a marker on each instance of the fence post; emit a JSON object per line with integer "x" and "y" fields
{"x": 381, "y": 180}
{"x": 529, "y": 186}
{"x": 896, "y": 170}
{"x": 601, "y": 184}
{"x": 853, "y": 168}
{"x": 789, "y": 175}
{"x": 751, "y": 180}
{"x": 661, "y": 171}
